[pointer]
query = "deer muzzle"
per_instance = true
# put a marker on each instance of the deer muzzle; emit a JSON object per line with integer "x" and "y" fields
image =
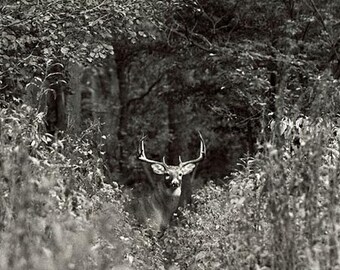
{"x": 175, "y": 183}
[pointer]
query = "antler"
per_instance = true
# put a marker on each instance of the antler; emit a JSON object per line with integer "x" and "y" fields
{"x": 201, "y": 156}
{"x": 142, "y": 156}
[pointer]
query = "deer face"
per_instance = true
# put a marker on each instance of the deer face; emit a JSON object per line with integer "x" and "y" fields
{"x": 172, "y": 174}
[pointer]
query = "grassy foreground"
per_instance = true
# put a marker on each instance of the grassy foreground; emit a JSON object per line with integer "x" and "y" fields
{"x": 280, "y": 210}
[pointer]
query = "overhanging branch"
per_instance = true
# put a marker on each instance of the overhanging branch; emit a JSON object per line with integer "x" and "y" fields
{"x": 147, "y": 92}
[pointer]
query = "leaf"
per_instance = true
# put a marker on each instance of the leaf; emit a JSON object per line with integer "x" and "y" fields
{"x": 47, "y": 18}
{"x": 201, "y": 255}
{"x": 141, "y": 33}
{"x": 64, "y": 50}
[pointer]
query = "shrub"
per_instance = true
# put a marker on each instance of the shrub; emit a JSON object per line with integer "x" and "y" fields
{"x": 56, "y": 210}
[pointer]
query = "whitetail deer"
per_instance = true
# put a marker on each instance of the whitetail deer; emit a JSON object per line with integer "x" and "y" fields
{"x": 159, "y": 207}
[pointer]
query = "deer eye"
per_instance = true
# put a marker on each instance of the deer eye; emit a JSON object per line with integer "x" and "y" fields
{"x": 167, "y": 175}
{"x": 180, "y": 174}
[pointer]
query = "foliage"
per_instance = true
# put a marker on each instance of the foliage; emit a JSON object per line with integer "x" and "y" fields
{"x": 56, "y": 210}
{"x": 254, "y": 77}
{"x": 279, "y": 210}
{"x": 82, "y": 32}
{"x": 227, "y": 67}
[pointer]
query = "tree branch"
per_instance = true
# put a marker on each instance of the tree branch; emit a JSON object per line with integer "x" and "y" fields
{"x": 147, "y": 92}
{"x": 209, "y": 50}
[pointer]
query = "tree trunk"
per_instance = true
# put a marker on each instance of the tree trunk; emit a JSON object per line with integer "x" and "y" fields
{"x": 55, "y": 82}
{"x": 123, "y": 115}
{"x": 174, "y": 124}
{"x": 73, "y": 102}
{"x": 110, "y": 100}
{"x": 176, "y": 146}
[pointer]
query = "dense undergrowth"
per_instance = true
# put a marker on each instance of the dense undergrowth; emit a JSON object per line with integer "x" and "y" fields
{"x": 280, "y": 210}
{"x": 56, "y": 210}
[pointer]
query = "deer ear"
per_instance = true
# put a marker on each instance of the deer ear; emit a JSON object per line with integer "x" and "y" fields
{"x": 158, "y": 169}
{"x": 188, "y": 168}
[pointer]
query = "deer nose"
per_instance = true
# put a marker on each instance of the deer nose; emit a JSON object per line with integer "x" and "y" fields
{"x": 175, "y": 183}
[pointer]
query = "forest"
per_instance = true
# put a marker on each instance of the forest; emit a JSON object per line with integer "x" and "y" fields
{"x": 241, "y": 98}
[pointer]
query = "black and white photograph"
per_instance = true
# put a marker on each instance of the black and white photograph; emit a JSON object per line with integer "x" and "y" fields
{"x": 169, "y": 135}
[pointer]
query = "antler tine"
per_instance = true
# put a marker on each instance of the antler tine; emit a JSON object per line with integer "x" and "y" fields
{"x": 164, "y": 161}
{"x": 201, "y": 155}
{"x": 142, "y": 156}
{"x": 203, "y": 149}
{"x": 141, "y": 146}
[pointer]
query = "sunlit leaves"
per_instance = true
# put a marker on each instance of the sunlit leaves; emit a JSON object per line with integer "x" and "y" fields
{"x": 83, "y": 33}
{"x": 54, "y": 202}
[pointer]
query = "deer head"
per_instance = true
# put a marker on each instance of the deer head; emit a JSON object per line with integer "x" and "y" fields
{"x": 165, "y": 199}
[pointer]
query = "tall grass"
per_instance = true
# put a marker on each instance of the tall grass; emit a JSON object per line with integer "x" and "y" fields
{"x": 56, "y": 210}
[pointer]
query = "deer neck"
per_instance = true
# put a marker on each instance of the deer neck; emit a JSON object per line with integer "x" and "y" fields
{"x": 169, "y": 200}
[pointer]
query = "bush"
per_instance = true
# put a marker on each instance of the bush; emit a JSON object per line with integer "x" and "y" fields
{"x": 56, "y": 210}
